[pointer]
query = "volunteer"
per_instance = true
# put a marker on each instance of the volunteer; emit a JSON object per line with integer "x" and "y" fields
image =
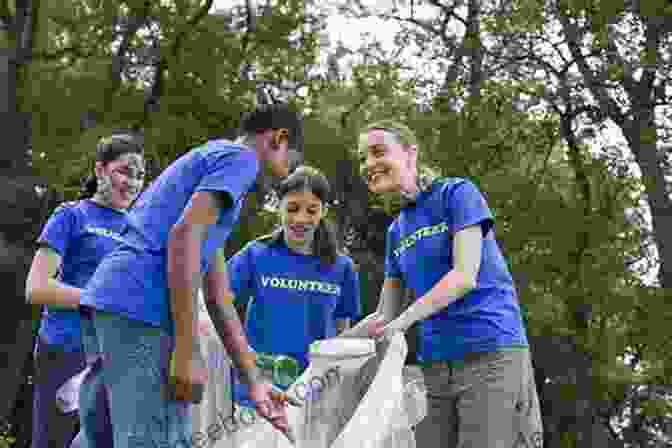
{"x": 472, "y": 340}
{"x": 74, "y": 240}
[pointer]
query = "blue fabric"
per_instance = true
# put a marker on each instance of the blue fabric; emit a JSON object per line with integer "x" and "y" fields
{"x": 132, "y": 280}
{"x": 294, "y": 299}
{"x": 94, "y": 409}
{"x": 53, "y": 367}
{"x": 419, "y": 252}
{"x": 82, "y": 233}
{"x": 135, "y": 375}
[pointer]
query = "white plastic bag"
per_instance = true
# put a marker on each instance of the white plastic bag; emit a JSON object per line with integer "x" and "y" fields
{"x": 354, "y": 394}
{"x": 67, "y": 396}
{"x": 216, "y": 405}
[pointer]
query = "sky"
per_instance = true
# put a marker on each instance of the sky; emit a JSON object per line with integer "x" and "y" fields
{"x": 349, "y": 31}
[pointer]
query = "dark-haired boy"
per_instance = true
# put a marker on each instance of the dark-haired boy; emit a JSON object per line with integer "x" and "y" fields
{"x": 139, "y": 305}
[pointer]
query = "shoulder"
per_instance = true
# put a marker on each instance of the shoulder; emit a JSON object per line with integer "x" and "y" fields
{"x": 447, "y": 185}
{"x": 457, "y": 189}
{"x": 263, "y": 239}
{"x": 217, "y": 149}
{"x": 68, "y": 209}
{"x": 345, "y": 261}
{"x": 393, "y": 227}
{"x": 256, "y": 247}
{"x": 68, "y": 206}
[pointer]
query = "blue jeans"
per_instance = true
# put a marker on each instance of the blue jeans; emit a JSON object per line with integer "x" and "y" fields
{"x": 134, "y": 371}
{"x": 94, "y": 409}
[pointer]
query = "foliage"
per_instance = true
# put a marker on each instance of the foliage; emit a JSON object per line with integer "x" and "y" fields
{"x": 6, "y": 438}
{"x": 511, "y": 114}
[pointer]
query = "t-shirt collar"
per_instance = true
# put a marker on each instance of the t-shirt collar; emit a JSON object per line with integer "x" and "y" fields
{"x": 424, "y": 185}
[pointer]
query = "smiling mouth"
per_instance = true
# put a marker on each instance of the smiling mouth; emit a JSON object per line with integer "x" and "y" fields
{"x": 299, "y": 231}
{"x": 376, "y": 175}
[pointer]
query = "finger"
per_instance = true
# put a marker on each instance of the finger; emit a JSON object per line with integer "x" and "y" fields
{"x": 264, "y": 409}
{"x": 177, "y": 390}
{"x": 283, "y": 397}
{"x": 279, "y": 422}
{"x": 377, "y": 331}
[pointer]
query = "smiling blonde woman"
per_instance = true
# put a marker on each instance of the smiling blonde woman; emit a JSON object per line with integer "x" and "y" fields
{"x": 472, "y": 340}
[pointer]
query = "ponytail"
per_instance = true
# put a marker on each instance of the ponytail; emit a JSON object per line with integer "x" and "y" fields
{"x": 89, "y": 187}
{"x": 325, "y": 244}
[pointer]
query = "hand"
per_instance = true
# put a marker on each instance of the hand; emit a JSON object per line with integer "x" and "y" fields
{"x": 376, "y": 326}
{"x": 187, "y": 376}
{"x": 365, "y": 328}
{"x": 387, "y": 331}
{"x": 271, "y": 406}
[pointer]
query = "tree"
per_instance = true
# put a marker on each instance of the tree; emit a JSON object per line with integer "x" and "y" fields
{"x": 18, "y": 26}
{"x": 168, "y": 71}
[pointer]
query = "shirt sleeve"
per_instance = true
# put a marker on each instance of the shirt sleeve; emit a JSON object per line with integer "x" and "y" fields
{"x": 392, "y": 269}
{"x": 466, "y": 206}
{"x": 59, "y": 230}
{"x": 232, "y": 172}
{"x": 241, "y": 274}
{"x": 350, "y": 305}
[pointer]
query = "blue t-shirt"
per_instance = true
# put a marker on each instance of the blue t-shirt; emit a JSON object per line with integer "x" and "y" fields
{"x": 419, "y": 253}
{"x": 293, "y": 299}
{"x": 82, "y": 233}
{"x": 133, "y": 279}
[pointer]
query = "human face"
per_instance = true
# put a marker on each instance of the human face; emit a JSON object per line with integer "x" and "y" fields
{"x": 389, "y": 166}
{"x": 300, "y": 214}
{"x": 279, "y": 159}
{"x": 120, "y": 181}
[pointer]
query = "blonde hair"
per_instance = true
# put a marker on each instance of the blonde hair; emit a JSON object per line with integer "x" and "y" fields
{"x": 425, "y": 174}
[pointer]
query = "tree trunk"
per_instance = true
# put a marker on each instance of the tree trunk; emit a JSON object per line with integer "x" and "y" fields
{"x": 646, "y": 155}
{"x": 20, "y": 204}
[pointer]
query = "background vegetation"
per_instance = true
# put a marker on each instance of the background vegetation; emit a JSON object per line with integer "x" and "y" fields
{"x": 557, "y": 109}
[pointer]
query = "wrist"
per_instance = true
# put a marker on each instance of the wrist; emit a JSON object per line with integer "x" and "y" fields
{"x": 250, "y": 375}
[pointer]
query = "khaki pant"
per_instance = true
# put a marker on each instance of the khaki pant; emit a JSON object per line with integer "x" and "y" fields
{"x": 488, "y": 401}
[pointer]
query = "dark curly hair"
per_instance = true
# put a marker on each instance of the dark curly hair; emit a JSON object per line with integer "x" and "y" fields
{"x": 274, "y": 116}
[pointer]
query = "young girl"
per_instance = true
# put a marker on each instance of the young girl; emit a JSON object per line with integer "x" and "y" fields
{"x": 473, "y": 345}
{"x": 299, "y": 287}
{"x": 72, "y": 243}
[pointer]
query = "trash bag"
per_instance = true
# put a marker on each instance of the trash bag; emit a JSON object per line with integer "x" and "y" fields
{"x": 355, "y": 392}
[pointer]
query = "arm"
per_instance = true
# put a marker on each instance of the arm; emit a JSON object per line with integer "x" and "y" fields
{"x": 389, "y": 305}
{"x": 219, "y": 302}
{"x": 183, "y": 263}
{"x": 349, "y": 306}
{"x": 455, "y": 284}
{"x": 41, "y": 286}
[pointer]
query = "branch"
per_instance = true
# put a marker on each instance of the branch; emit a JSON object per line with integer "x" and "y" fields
{"x": 156, "y": 89}
{"x": 420, "y": 24}
{"x": 245, "y": 40}
{"x": 191, "y": 23}
{"x": 24, "y": 23}
{"x": 448, "y": 11}
{"x": 652, "y": 35}
{"x": 57, "y": 55}
{"x": 5, "y": 15}
{"x": 607, "y": 104}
